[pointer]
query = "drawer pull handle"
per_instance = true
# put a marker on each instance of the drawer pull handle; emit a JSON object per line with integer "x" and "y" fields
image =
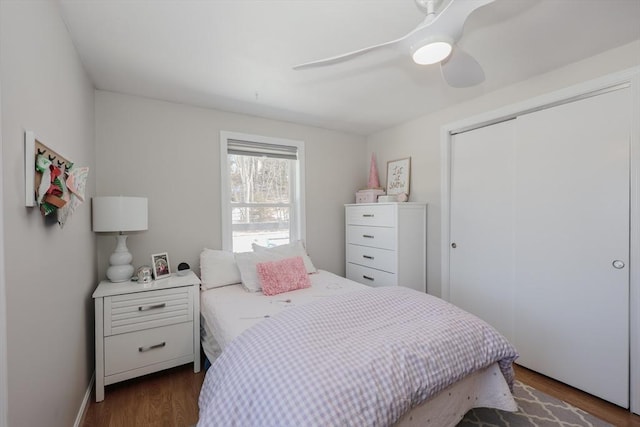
{"x": 367, "y": 256}
{"x": 367, "y": 236}
{"x": 368, "y": 215}
{"x": 151, "y": 347}
{"x": 367, "y": 277}
{"x": 152, "y": 307}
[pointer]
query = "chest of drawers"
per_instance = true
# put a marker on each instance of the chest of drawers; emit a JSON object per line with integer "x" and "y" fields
{"x": 386, "y": 244}
{"x": 144, "y": 328}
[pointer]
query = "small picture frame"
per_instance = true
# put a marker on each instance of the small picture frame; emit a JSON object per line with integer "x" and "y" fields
{"x": 161, "y": 267}
{"x": 398, "y": 176}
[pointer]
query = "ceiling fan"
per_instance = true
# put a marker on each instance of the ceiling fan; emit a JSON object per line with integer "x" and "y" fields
{"x": 431, "y": 42}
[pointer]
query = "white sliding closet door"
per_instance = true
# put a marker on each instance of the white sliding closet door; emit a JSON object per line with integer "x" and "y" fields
{"x": 482, "y": 206}
{"x": 539, "y": 217}
{"x": 572, "y": 224}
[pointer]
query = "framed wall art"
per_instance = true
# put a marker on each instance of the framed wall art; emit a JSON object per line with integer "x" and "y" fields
{"x": 398, "y": 176}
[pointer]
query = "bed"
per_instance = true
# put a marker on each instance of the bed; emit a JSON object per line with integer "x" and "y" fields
{"x": 341, "y": 353}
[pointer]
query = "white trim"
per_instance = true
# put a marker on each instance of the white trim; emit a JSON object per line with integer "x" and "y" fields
{"x": 634, "y": 247}
{"x": 298, "y": 216}
{"x": 630, "y": 77}
{"x": 225, "y": 215}
{"x": 445, "y": 199}
{"x": 85, "y": 402}
{"x": 300, "y": 194}
{"x": 4, "y": 391}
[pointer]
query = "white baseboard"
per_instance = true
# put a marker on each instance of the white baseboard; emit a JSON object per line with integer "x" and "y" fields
{"x": 85, "y": 402}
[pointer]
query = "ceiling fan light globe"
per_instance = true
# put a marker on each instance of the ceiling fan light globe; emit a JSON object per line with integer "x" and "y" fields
{"x": 432, "y": 53}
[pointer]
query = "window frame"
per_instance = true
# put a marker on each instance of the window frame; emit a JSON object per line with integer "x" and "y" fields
{"x": 297, "y": 225}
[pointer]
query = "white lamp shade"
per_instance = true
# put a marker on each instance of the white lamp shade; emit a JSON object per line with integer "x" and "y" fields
{"x": 120, "y": 214}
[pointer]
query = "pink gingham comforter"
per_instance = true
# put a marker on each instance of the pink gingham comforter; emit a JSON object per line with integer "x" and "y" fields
{"x": 359, "y": 359}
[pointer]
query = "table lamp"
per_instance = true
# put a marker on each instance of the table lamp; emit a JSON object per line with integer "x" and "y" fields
{"x": 120, "y": 214}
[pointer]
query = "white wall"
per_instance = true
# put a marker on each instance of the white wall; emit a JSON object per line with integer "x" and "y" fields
{"x": 3, "y": 304}
{"x": 50, "y": 272}
{"x": 420, "y": 138}
{"x": 170, "y": 153}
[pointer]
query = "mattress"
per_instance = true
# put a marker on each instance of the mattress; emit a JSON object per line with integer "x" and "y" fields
{"x": 227, "y": 311}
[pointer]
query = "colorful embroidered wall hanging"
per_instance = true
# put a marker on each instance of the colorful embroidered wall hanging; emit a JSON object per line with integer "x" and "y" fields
{"x": 53, "y": 183}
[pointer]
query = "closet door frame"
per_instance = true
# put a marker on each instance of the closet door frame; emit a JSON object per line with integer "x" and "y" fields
{"x": 628, "y": 78}
{"x": 4, "y": 392}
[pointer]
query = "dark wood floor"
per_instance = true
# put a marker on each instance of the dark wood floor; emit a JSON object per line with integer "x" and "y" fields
{"x": 170, "y": 398}
{"x": 606, "y": 411}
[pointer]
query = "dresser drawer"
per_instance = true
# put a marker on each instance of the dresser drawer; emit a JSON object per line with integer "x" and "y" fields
{"x": 381, "y": 259}
{"x": 370, "y": 276}
{"x": 377, "y": 237}
{"x": 376, "y": 215}
{"x": 125, "y": 352}
{"x": 142, "y": 310}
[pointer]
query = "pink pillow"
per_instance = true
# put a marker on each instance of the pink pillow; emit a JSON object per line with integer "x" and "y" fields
{"x": 284, "y": 275}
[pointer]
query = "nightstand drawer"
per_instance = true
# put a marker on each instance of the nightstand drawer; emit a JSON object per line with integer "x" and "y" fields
{"x": 126, "y": 352}
{"x": 370, "y": 276}
{"x": 381, "y": 259}
{"x": 377, "y": 237}
{"x": 142, "y": 310}
{"x": 377, "y": 215}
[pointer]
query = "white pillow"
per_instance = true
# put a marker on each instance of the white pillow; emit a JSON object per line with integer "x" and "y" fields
{"x": 290, "y": 250}
{"x": 247, "y": 264}
{"x": 218, "y": 268}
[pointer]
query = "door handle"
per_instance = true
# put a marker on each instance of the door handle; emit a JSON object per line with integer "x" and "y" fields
{"x": 618, "y": 264}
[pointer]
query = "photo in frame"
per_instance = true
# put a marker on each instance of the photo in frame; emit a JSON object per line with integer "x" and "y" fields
{"x": 398, "y": 176}
{"x": 161, "y": 267}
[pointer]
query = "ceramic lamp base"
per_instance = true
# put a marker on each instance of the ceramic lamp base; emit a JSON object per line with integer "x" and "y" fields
{"x": 120, "y": 268}
{"x": 120, "y": 273}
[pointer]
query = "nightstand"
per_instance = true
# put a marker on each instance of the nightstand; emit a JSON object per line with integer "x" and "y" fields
{"x": 144, "y": 328}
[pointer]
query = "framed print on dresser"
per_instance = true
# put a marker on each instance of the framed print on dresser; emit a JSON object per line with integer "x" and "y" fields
{"x": 398, "y": 176}
{"x": 161, "y": 267}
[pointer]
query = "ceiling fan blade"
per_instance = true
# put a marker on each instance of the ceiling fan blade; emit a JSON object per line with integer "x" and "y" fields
{"x": 345, "y": 56}
{"x": 461, "y": 69}
{"x": 449, "y": 21}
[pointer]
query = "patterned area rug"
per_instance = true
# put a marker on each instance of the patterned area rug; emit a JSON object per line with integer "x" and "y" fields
{"x": 535, "y": 409}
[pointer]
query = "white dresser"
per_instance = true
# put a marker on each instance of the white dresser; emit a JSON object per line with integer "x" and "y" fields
{"x": 144, "y": 328}
{"x": 386, "y": 244}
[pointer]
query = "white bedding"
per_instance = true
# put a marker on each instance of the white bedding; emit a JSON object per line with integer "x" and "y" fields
{"x": 229, "y": 310}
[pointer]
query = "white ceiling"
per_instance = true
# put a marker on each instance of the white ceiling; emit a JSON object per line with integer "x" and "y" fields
{"x": 237, "y": 55}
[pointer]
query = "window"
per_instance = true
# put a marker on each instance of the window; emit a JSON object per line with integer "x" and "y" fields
{"x": 262, "y": 191}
